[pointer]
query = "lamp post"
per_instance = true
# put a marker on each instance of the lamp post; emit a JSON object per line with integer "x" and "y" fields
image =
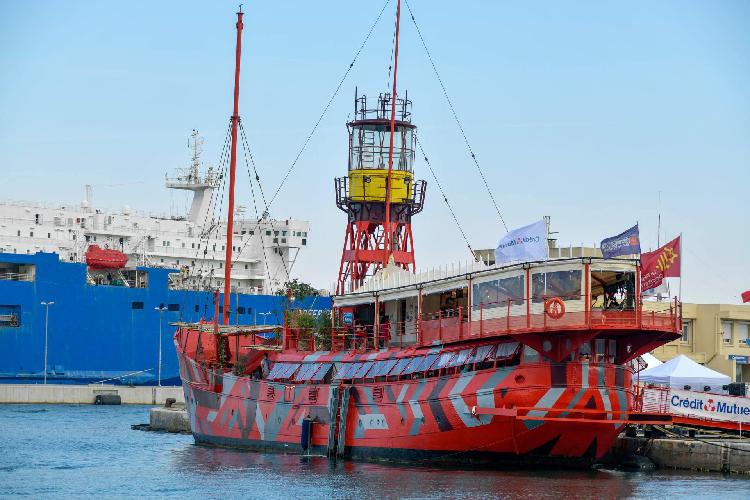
{"x": 264, "y": 317}
{"x": 46, "y": 329}
{"x": 161, "y": 310}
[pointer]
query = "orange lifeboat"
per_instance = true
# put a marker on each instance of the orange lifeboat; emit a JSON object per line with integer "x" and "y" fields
{"x": 105, "y": 258}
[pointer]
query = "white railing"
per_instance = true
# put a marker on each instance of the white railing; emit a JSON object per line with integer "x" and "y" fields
{"x": 15, "y": 277}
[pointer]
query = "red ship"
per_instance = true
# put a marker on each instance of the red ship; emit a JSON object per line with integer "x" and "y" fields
{"x": 516, "y": 364}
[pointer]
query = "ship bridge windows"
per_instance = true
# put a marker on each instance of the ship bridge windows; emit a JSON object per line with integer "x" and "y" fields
{"x": 612, "y": 290}
{"x": 498, "y": 293}
{"x": 445, "y": 304}
{"x": 563, "y": 284}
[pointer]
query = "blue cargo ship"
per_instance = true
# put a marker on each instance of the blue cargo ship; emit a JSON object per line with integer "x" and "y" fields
{"x": 98, "y": 332}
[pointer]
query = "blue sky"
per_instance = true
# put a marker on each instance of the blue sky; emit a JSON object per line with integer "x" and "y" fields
{"x": 584, "y": 111}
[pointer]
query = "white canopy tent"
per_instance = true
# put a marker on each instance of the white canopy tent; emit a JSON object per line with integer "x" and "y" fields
{"x": 650, "y": 360}
{"x": 682, "y": 371}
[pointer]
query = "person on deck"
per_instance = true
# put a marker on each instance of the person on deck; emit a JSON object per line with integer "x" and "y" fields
{"x": 265, "y": 366}
{"x": 385, "y": 332}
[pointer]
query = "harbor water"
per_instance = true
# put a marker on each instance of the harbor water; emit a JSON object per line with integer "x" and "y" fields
{"x": 72, "y": 451}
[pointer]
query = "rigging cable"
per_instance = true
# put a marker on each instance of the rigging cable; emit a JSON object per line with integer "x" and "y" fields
{"x": 217, "y": 204}
{"x": 455, "y": 115}
{"x": 445, "y": 198}
{"x": 328, "y": 105}
{"x": 248, "y": 153}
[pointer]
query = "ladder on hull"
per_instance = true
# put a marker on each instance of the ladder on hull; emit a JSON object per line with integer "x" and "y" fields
{"x": 338, "y": 409}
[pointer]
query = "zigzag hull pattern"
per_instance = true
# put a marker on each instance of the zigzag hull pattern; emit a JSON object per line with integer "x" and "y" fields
{"x": 421, "y": 419}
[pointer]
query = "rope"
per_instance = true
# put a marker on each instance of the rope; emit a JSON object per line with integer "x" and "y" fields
{"x": 445, "y": 198}
{"x": 455, "y": 116}
{"x": 328, "y": 105}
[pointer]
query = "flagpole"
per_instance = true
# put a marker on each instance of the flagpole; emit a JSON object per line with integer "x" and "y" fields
{"x": 682, "y": 245}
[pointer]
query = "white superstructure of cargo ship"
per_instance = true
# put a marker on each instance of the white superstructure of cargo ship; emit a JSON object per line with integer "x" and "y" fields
{"x": 264, "y": 249}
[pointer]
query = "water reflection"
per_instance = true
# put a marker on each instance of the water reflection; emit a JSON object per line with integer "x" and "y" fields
{"x": 319, "y": 476}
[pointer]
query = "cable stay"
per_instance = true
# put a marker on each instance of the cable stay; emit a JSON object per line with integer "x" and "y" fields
{"x": 328, "y": 105}
{"x": 445, "y": 198}
{"x": 455, "y": 116}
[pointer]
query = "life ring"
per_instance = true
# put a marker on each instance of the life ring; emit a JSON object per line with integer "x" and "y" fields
{"x": 554, "y": 308}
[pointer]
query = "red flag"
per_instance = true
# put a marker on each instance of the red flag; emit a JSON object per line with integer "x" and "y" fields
{"x": 663, "y": 262}
{"x": 746, "y": 296}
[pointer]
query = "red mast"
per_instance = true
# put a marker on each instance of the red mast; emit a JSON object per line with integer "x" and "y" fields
{"x": 232, "y": 168}
{"x": 388, "y": 224}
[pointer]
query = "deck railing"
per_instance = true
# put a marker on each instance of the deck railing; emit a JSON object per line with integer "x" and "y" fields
{"x": 490, "y": 320}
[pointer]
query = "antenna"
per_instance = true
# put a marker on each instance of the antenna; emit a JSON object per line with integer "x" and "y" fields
{"x": 658, "y": 222}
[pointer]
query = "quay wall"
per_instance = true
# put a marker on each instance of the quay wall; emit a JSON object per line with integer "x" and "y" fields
{"x": 86, "y": 394}
{"x": 707, "y": 454}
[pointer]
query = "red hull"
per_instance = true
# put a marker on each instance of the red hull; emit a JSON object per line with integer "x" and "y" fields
{"x": 438, "y": 419}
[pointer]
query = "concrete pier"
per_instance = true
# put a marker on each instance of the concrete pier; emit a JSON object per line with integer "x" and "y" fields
{"x": 169, "y": 420}
{"x": 706, "y": 454}
{"x": 86, "y": 394}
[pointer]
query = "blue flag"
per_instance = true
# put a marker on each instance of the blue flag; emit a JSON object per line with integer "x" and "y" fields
{"x": 626, "y": 243}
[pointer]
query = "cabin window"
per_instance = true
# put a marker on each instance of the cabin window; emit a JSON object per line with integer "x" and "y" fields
{"x": 530, "y": 355}
{"x": 240, "y": 310}
{"x": 197, "y": 308}
{"x": 563, "y": 284}
{"x": 173, "y": 307}
{"x": 136, "y": 305}
{"x": 507, "y": 350}
{"x": 498, "y": 293}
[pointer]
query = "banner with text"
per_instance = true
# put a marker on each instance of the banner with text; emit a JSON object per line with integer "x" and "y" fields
{"x": 663, "y": 262}
{"x": 625, "y": 243}
{"x": 709, "y": 406}
{"x": 525, "y": 244}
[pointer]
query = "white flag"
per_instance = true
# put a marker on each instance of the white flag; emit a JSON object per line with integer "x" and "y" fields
{"x": 528, "y": 243}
